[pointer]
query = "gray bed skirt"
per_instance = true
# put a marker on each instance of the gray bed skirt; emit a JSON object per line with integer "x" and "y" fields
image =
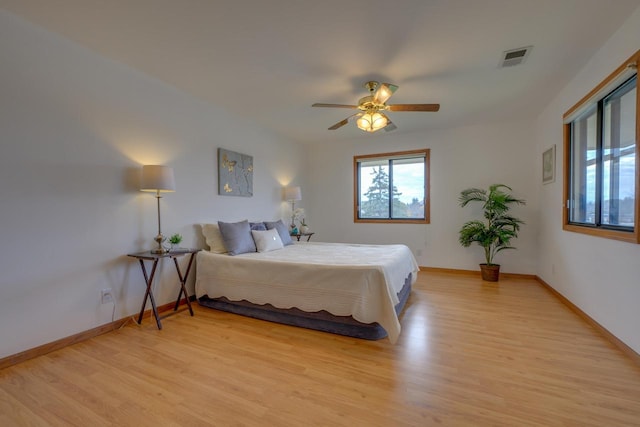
{"x": 320, "y": 320}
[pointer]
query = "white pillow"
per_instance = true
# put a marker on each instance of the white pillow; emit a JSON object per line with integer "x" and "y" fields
{"x": 212, "y": 236}
{"x": 267, "y": 240}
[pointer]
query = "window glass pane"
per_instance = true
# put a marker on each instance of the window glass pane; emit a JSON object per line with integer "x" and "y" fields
{"x": 391, "y": 187}
{"x": 583, "y": 168}
{"x": 408, "y": 188}
{"x": 374, "y": 189}
{"x": 618, "y": 157}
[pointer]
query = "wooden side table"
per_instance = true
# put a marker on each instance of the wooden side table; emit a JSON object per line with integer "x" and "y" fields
{"x": 155, "y": 258}
{"x": 299, "y": 235}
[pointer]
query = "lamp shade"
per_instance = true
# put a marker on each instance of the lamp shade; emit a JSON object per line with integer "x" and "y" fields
{"x": 157, "y": 178}
{"x": 292, "y": 193}
{"x": 371, "y": 122}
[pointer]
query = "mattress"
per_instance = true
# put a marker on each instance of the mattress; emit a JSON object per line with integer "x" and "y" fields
{"x": 358, "y": 281}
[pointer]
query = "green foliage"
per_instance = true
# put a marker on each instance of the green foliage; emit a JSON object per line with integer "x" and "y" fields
{"x": 496, "y": 232}
{"x": 175, "y": 239}
{"x": 376, "y": 204}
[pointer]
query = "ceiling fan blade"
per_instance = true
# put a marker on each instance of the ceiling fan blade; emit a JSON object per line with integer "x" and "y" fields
{"x": 390, "y": 126}
{"x": 384, "y": 92}
{"x": 344, "y": 122}
{"x": 413, "y": 107}
{"x": 317, "y": 104}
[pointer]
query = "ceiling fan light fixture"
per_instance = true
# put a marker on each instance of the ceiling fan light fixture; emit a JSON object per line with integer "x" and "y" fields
{"x": 384, "y": 92}
{"x": 372, "y": 121}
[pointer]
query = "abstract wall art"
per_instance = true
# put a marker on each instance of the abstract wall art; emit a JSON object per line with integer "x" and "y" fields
{"x": 235, "y": 174}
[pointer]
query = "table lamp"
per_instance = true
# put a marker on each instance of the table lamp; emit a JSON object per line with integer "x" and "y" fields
{"x": 292, "y": 194}
{"x": 158, "y": 179}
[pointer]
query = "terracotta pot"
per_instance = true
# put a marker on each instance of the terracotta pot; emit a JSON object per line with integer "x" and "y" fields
{"x": 490, "y": 273}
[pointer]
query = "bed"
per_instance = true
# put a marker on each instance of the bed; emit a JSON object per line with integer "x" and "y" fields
{"x": 348, "y": 289}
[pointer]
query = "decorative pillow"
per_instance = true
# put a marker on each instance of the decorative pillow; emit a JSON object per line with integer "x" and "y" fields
{"x": 237, "y": 237}
{"x": 258, "y": 226}
{"x": 283, "y": 231}
{"x": 212, "y": 236}
{"x": 268, "y": 240}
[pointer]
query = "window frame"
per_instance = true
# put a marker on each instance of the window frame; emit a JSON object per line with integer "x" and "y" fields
{"x": 425, "y": 152}
{"x": 608, "y": 86}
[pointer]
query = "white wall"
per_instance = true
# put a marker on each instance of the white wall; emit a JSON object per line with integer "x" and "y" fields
{"x": 600, "y": 276}
{"x": 74, "y": 130}
{"x": 474, "y": 156}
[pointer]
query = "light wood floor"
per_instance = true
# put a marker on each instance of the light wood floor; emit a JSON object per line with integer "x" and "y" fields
{"x": 471, "y": 353}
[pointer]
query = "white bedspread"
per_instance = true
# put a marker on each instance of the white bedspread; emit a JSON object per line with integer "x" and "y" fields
{"x": 344, "y": 279}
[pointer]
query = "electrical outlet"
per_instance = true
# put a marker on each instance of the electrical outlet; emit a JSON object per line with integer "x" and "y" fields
{"x": 106, "y": 296}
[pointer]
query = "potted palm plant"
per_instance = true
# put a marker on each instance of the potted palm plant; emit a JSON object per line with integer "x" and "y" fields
{"x": 494, "y": 234}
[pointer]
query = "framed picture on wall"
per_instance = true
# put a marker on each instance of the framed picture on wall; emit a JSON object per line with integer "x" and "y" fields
{"x": 549, "y": 165}
{"x": 235, "y": 174}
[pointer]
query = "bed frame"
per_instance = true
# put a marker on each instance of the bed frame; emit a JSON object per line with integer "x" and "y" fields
{"x": 320, "y": 320}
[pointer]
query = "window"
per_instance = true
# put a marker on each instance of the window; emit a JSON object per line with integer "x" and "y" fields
{"x": 601, "y": 159}
{"x": 392, "y": 187}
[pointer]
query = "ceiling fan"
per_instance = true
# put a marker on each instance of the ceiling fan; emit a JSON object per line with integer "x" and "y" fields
{"x": 371, "y": 118}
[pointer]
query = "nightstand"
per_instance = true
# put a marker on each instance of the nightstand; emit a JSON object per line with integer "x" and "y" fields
{"x": 155, "y": 258}
{"x": 299, "y": 235}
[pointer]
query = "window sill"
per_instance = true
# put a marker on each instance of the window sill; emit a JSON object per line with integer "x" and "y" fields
{"x": 624, "y": 236}
{"x": 392, "y": 221}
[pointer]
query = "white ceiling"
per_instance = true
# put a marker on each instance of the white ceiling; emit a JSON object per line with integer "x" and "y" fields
{"x": 269, "y": 60}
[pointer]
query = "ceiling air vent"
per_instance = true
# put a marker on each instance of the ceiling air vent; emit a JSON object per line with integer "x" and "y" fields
{"x": 515, "y": 56}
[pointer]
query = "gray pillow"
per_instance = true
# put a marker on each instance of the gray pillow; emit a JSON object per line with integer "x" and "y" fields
{"x": 283, "y": 231}
{"x": 257, "y": 226}
{"x": 237, "y": 237}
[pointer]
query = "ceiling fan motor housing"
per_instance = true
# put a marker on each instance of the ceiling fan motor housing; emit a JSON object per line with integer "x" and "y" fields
{"x": 367, "y": 103}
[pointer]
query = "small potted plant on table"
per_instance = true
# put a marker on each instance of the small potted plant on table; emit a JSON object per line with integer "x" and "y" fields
{"x": 175, "y": 241}
{"x": 304, "y": 228}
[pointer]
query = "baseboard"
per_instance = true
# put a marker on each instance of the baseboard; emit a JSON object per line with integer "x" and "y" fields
{"x": 79, "y": 337}
{"x": 475, "y": 272}
{"x": 597, "y": 326}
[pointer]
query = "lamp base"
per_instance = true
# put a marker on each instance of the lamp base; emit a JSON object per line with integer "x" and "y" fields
{"x": 160, "y": 249}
